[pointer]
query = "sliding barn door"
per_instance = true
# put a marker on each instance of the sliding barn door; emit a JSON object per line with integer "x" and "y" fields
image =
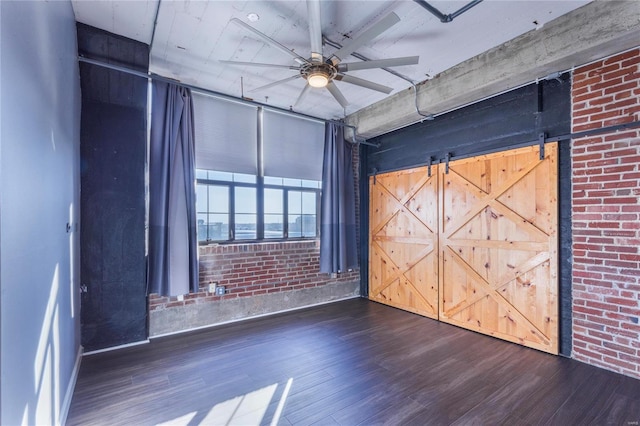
{"x": 498, "y": 246}
{"x": 403, "y": 263}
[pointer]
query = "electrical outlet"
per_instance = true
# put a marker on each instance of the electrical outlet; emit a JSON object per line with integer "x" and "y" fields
{"x": 220, "y": 290}
{"x": 212, "y": 287}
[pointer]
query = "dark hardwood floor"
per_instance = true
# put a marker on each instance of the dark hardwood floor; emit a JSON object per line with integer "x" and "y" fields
{"x": 347, "y": 363}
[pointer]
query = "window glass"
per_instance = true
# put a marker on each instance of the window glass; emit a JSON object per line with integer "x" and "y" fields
{"x": 295, "y": 214}
{"x": 273, "y": 200}
{"x": 292, "y": 182}
{"x": 218, "y": 227}
{"x": 203, "y": 222}
{"x": 268, "y": 180}
{"x": 212, "y": 208}
{"x": 224, "y": 176}
{"x": 311, "y": 184}
{"x": 245, "y": 213}
{"x": 239, "y": 177}
{"x": 218, "y": 199}
{"x": 201, "y": 198}
{"x": 309, "y": 225}
{"x": 273, "y": 213}
{"x": 309, "y": 214}
{"x": 309, "y": 202}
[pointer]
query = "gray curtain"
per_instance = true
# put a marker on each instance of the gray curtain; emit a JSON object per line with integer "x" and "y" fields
{"x": 338, "y": 250}
{"x": 173, "y": 245}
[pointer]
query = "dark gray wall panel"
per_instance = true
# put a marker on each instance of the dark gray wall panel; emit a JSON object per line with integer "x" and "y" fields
{"x": 565, "y": 256}
{"x": 504, "y": 121}
{"x": 113, "y": 151}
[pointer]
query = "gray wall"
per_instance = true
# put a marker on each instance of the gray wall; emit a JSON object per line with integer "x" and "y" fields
{"x": 39, "y": 193}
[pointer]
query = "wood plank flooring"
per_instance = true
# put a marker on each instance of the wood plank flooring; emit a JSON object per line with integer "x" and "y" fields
{"x": 353, "y": 362}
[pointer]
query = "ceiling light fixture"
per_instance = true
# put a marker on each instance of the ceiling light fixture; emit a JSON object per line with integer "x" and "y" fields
{"x": 318, "y": 79}
{"x": 253, "y": 17}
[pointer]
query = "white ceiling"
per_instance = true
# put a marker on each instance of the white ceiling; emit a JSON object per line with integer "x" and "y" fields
{"x": 192, "y": 36}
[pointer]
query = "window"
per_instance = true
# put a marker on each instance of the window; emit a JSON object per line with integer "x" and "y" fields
{"x": 235, "y": 200}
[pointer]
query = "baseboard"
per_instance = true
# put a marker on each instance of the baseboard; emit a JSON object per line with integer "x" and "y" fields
{"x": 113, "y": 348}
{"x": 204, "y": 327}
{"x": 66, "y": 402}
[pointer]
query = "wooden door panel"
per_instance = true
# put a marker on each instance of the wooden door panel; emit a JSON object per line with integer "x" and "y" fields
{"x": 498, "y": 246}
{"x": 403, "y": 249}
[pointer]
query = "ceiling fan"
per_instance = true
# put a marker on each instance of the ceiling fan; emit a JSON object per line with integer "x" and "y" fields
{"x": 320, "y": 71}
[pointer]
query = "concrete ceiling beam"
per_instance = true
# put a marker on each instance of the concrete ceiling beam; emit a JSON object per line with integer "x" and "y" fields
{"x": 594, "y": 31}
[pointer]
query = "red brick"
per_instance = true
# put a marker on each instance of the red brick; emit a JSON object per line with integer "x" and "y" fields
{"x": 585, "y": 127}
{"x": 586, "y": 68}
{"x": 631, "y": 61}
{"x": 588, "y": 354}
{"x": 587, "y": 339}
{"x": 633, "y": 53}
{"x": 620, "y": 363}
{"x": 617, "y": 86}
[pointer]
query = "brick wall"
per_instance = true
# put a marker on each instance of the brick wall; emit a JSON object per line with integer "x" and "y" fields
{"x": 256, "y": 268}
{"x": 606, "y": 215}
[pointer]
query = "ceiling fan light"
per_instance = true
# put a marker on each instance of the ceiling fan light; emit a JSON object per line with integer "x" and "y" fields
{"x": 318, "y": 79}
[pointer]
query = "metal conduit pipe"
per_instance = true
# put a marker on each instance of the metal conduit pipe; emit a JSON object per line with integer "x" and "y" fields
{"x": 450, "y": 17}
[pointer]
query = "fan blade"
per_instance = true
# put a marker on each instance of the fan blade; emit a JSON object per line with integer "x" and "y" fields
{"x": 303, "y": 95}
{"x": 299, "y": 59}
{"x": 337, "y": 94}
{"x": 258, "y": 64}
{"x": 275, "y": 83}
{"x": 379, "y": 63}
{"x": 364, "y": 83}
{"x": 315, "y": 28}
{"x": 371, "y": 33}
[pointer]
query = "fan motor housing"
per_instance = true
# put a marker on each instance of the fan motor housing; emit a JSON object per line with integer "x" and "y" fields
{"x": 322, "y": 68}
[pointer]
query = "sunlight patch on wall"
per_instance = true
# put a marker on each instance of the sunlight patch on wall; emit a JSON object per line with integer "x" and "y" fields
{"x": 47, "y": 377}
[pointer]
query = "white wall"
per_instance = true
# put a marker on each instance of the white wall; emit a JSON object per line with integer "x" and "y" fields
{"x": 39, "y": 195}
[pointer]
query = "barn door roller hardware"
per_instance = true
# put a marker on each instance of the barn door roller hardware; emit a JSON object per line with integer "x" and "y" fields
{"x": 429, "y": 163}
{"x": 450, "y": 17}
{"x": 541, "y": 139}
{"x": 446, "y": 159}
{"x": 375, "y": 172}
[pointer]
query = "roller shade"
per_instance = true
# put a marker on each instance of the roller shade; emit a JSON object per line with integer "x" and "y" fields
{"x": 226, "y": 135}
{"x": 292, "y": 146}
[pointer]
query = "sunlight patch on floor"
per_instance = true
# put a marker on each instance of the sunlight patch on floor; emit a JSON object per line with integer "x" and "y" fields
{"x": 248, "y": 409}
{"x": 180, "y": 421}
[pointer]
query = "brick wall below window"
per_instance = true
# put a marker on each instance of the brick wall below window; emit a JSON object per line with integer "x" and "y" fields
{"x": 254, "y": 269}
{"x": 606, "y": 215}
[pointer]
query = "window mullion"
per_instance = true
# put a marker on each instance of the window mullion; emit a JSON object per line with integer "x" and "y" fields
{"x": 318, "y": 212}
{"x": 285, "y": 213}
{"x": 260, "y": 180}
{"x": 232, "y": 212}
